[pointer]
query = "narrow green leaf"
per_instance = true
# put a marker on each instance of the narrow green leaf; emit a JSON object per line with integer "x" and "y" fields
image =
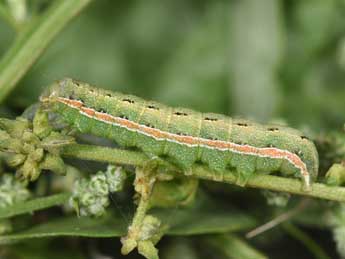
{"x": 203, "y": 221}
{"x": 110, "y": 226}
{"x": 180, "y": 247}
{"x": 306, "y": 240}
{"x": 233, "y": 247}
{"x": 41, "y": 249}
{"x": 33, "y": 205}
{"x": 208, "y": 216}
{"x": 34, "y": 40}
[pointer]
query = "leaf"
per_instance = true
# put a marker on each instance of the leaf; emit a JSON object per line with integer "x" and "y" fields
{"x": 233, "y": 247}
{"x": 42, "y": 249}
{"x": 110, "y": 226}
{"x": 202, "y": 220}
{"x": 211, "y": 217}
{"x": 307, "y": 241}
{"x": 179, "y": 247}
{"x": 33, "y": 205}
{"x": 207, "y": 215}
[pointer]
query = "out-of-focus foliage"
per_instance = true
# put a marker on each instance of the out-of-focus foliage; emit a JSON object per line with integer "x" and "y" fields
{"x": 266, "y": 60}
{"x": 263, "y": 60}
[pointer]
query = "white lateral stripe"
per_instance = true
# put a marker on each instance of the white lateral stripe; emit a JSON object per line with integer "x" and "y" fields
{"x": 303, "y": 169}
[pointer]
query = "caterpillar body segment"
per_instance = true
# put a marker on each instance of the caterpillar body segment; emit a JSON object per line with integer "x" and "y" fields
{"x": 183, "y": 135}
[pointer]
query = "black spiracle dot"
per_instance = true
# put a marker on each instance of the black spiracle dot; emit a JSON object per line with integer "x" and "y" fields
{"x": 76, "y": 83}
{"x": 242, "y": 124}
{"x": 299, "y": 153}
{"x": 122, "y": 116}
{"x": 180, "y": 113}
{"x": 127, "y": 100}
{"x": 152, "y": 107}
{"x": 273, "y": 129}
{"x": 109, "y": 95}
{"x": 101, "y": 110}
{"x": 80, "y": 100}
{"x": 304, "y": 137}
{"x": 210, "y": 119}
{"x": 73, "y": 96}
{"x": 149, "y": 125}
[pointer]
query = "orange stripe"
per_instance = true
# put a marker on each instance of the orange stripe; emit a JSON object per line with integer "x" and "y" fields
{"x": 190, "y": 140}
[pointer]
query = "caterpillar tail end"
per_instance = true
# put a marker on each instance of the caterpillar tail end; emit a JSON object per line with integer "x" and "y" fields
{"x": 306, "y": 187}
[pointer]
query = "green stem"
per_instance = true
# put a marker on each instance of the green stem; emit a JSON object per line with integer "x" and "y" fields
{"x": 280, "y": 184}
{"x": 132, "y": 239}
{"x": 140, "y": 213}
{"x": 105, "y": 154}
{"x": 271, "y": 182}
{"x": 31, "y": 42}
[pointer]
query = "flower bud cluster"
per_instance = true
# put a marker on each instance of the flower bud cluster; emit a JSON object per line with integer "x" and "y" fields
{"x": 91, "y": 196}
{"x": 31, "y": 147}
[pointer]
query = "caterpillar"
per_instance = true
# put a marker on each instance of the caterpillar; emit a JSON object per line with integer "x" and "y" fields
{"x": 184, "y": 136}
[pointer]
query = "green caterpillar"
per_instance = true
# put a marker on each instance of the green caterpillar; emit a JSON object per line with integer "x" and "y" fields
{"x": 184, "y": 136}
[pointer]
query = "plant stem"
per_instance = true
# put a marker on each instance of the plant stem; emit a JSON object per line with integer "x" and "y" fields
{"x": 271, "y": 182}
{"x": 33, "y": 40}
{"x": 280, "y": 184}
{"x": 105, "y": 154}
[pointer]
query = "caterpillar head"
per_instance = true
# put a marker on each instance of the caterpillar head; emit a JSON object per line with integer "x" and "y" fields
{"x": 61, "y": 88}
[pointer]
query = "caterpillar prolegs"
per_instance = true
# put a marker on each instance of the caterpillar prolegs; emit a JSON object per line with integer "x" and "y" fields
{"x": 182, "y": 135}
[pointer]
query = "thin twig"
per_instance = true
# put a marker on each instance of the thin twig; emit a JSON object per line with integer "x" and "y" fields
{"x": 278, "y": 220}
{"x": 270, "y": 182}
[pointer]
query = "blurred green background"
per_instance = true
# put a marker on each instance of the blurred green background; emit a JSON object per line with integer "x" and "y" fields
{"x": 269, "y": 60}
{"x": 260, "y": 59}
